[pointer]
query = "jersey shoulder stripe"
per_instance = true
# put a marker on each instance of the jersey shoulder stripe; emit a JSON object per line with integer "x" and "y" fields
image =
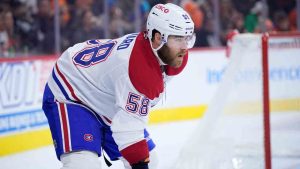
{"x": 60, "y": 85}
{"x": 66, "y": 82}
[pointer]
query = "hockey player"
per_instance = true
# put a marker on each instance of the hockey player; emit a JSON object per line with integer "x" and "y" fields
{"x": 100, "y": 91}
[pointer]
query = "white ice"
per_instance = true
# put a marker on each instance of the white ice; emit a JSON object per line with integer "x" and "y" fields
{"x": 169, "y": 139}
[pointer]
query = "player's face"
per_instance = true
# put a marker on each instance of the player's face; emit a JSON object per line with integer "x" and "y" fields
{"x": 173, "y": 51}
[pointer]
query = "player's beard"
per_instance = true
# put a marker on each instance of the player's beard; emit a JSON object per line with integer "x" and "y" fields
{"x": 164, "y": 53}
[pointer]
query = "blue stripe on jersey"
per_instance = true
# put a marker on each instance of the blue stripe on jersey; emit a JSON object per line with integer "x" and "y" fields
{"x": 60, "y": 85}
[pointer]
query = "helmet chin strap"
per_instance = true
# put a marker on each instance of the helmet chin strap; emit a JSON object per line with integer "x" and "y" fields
{"x": 155, "y": 52}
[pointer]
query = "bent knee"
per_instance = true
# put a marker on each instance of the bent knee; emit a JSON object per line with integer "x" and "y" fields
{"x": 80, "y": 159}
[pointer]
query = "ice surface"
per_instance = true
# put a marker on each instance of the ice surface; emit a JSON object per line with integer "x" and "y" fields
{"x": 169, "y": 139}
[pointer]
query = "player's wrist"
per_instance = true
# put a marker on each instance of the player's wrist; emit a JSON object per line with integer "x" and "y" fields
{"x": 141, "y": 165}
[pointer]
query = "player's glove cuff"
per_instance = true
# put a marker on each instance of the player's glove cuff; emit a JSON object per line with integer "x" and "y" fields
{"x": 136, "y": 153}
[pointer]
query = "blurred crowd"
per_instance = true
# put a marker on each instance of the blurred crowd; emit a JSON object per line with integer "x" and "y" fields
{"x": 27, "y": 26}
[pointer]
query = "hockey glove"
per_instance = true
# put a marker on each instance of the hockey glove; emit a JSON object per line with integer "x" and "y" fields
{"x": 141, "y": 164}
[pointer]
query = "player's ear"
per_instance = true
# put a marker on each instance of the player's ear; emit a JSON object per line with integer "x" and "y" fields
{"x": 156, "y": 40}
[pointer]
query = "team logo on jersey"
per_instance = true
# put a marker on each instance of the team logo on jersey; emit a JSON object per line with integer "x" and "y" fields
{"x": 88, "y": 137}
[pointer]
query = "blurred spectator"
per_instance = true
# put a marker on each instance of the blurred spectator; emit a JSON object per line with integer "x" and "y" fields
{"x": 230, "y": 20}
{"x": 76, "y": 12}
{"x": 12, "y": 36}
{"x": 293, "y": 20}
{"x": 98, "y": 7}
{"x": 8, "y": 41}
{"x": 84, "y": 5}
{"x": 279, "y": 11}
{"x": 208, "y": 25}
{"x": 238, "y": 22}
{"x": 281, "y": 5}
{"x": 269, "y": 25}
{"x": 4, "y": 40}
{"x": 243, "y": 6}
{"x": 28, "y": 25}
{"x": 9, "y": 23}
{"x": 197, "y": 16}
{"x": 65, "y": 33}
{"x": 24, "y": 27}
{"x": 88, "y": 28}
{"x": 255, "y": 21}
{"x": 44, "y": 22}
{"x": 118, "y": 25}
{"x": 281, "y": 21}
{"x": 61, "y": 4}
{"x": 251, "y": 20}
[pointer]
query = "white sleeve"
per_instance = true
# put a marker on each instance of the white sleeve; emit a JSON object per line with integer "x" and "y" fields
{"x": 130, "y": 121}
{"x": 127, "y": 129}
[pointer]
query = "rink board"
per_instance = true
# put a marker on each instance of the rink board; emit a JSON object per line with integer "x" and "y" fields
{"x": 23, "y": 125}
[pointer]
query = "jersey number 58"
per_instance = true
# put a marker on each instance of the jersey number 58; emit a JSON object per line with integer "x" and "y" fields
{"x": 137, "y": 105}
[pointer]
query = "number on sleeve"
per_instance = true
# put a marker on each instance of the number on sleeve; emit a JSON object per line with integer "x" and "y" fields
{"x": 144, "y": 107}
{"x": 132, "y": 102}
{"x": 135, "y": 105}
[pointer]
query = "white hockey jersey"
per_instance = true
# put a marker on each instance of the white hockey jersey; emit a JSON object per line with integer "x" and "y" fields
{"x": 116, "y": 78}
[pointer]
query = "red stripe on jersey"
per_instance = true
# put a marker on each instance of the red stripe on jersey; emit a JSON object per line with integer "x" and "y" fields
{"x": 136, "y": 152}
{"x": 106, "y": 120}
{"x": 67, "y": 83}
{"x": 144, "y": 70}
{"x": 65, "y": 127}
{"x": 109, "y": 121}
